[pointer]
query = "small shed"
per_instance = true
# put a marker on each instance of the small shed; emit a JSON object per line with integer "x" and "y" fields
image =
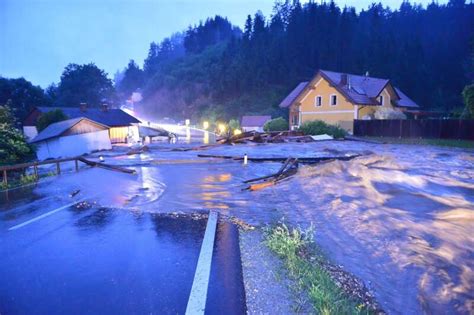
{"x": 122, "y": 126}
{"x": 254, "y": 123}
{"x": 72, "y": 137}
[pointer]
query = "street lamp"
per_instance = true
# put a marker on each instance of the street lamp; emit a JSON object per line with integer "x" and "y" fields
{"x": 205, "y": 125}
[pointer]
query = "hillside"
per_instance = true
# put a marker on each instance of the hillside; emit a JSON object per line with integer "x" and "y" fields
{"x": 215, "y": 70}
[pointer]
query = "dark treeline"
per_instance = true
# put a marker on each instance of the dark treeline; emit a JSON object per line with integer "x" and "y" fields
{"x": 213, "y": 70}
{"x": 216, "y": 70}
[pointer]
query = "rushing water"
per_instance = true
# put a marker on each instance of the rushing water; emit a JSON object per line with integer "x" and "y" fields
{"x": 400, "y": 217}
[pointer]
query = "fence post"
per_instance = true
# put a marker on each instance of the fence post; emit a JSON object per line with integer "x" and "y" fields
{"x": 58, "y": 169}
{"x": 5, "y": 179}
{"x": 35, "y": 167}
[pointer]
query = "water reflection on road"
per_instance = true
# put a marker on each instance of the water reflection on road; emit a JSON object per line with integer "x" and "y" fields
{"x": 401, "y": 219}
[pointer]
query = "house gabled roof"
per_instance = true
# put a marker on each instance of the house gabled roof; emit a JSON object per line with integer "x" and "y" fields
{"x": 57, "y": 129}
{"x": 287, "y": 101}
{"x": 359, "y": 90}
{"x": 111, "y": 117}
{"x": 254, "y": 121}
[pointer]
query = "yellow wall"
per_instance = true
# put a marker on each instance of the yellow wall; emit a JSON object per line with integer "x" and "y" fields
{"x": 388, "y": 95}
{"x": 341, "y": 114}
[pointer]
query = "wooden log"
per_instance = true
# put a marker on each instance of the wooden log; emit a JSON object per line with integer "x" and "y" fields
{"x": 259, "y": 186}
{"x": 306, "y": 160}
{"x": 107, "y": 166}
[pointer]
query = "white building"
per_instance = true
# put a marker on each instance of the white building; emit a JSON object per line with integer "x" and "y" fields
{"x": 254, "y": 123}
{"x": 72, "y": 137}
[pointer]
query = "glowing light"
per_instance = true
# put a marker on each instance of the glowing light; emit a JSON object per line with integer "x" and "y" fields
{"x": 187, "y": 122}
{"x": 221, "y": 128}
{"x": 205, "y": 125}
{"x": 237, "y": 132}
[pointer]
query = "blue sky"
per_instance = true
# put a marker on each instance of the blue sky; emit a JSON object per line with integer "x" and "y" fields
{"x": 38, "y": 38}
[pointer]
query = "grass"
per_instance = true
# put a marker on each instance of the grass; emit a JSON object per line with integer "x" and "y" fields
{"x": 24, "y": 180}
{"x": 295, "y": 247}
{"x": 438, "y": 142}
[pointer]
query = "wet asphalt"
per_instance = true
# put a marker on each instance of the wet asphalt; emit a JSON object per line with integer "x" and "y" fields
{"x": 93, "y": 260}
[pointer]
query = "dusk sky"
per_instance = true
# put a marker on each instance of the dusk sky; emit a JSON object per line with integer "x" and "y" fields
{"x": 38, "y": 38}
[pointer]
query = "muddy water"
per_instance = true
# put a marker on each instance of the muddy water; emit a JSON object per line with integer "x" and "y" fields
{"x": 402, "y": 218}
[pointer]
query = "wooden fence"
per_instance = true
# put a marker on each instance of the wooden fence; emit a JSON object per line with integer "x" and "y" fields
{"x": 17, "y": 167}
{"x": 4, "y": 169}
{"x": 423, "y": 128}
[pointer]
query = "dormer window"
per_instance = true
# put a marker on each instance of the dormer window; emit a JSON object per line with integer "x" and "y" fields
{"x": 381, "y": 100}
{"x": 318, "y": 101}
{"x": 333, "y": 100}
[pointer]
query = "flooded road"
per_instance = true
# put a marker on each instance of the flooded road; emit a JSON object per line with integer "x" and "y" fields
{"x": 400, "y": 217}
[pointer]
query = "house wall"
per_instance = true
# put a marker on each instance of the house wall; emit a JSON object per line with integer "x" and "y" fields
{"x": 341, "y": 114}
{"x": 249, "y": 128}
{"x": 30, "y": 132}
{"x": 70, "y": 146}
{"x": 84, "y": 126}
{"x": 388, "y": 95}
{"x": 120, "y": 134}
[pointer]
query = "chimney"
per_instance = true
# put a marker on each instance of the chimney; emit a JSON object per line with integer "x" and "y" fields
{"x": 83, "y": 107}
{"x": 104, "y": 107}
{"x": 343, "y": 79}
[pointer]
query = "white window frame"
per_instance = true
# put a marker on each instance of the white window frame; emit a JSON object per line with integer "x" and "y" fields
{"x": 330, "y": 100}
{"x": 320, "y": 103}
{"x": 381, "y": 100}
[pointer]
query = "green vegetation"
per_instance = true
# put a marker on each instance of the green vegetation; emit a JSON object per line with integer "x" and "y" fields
{"x": 468, "y": 96}
{"x": 438, "y": 142}
{"x": 13, "y": 145}
{"x": 49, "y": 118}
{"x": 318, "y": 127}
{"x": 23, "y": 180}
{"x": 277, "y": 124}
{"x": 294, "y": 247}
{"x": 234, "y": 124}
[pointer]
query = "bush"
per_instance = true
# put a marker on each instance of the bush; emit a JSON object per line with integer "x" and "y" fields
{"x": 277, "y": 124}
{"x": 13, "y": 145}
{"x": 49, "y": 118}
{"x": 468, "y": 96}
{"x": 234, "y": 124}
{"x": 319, "y": 127}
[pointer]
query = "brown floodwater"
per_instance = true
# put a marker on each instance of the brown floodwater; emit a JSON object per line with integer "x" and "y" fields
{"x": 400, "y": 217}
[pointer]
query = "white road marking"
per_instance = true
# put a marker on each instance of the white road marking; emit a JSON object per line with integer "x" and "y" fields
{"x": 197, "y": 298}
{"x": 47, "y": 214}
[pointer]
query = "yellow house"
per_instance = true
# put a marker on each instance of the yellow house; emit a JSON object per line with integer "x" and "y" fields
{"x": 340, "y": 98}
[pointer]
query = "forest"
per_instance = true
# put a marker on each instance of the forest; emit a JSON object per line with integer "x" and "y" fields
{"x": 216, "y": 70}
{"x": 212, "y": 69}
